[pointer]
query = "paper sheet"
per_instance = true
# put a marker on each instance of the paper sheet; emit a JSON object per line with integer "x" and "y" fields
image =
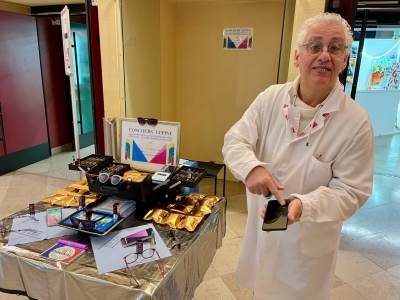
{"x": 109, "y": 253}
{"x": 40, "y": 231}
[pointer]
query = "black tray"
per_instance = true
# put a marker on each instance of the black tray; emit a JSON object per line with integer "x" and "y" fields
{"x": 174, "y": 177}
{"x": 126, "y": 190}
{"x": 66, "y": 223}
{"x": 86, "y": 162}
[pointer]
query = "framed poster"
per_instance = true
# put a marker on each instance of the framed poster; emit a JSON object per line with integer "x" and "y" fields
{"x": 149, "y": 147}
{"x": 237, "y": 38}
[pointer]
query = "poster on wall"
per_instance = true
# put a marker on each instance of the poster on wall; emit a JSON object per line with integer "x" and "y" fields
{"x": 237, "y": 38}
{"x": 149, "y": 144}
{"x": 384, "y": 73}
{"x": 352, "y": 62}
{"x": 65, "y": 29}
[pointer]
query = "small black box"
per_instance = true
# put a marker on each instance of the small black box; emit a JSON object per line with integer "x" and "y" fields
{"x": 126, "y": 190}
{"x": 91, "y": 161}
{"x": 197, "y": 175}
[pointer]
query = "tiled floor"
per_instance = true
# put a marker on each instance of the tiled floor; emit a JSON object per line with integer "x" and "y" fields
{"x": 369, "y": 257}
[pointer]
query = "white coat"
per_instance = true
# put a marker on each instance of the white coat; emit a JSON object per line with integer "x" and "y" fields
{"x": 332, "y": 176}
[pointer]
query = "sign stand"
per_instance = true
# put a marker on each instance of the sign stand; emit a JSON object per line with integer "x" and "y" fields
{"x": 65, "y": 27}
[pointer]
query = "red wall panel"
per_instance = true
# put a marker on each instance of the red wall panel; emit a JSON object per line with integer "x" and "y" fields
{"x": 97, "y": 78}
{"x": 21, "y": 94}
{"x": 55, "y": 83}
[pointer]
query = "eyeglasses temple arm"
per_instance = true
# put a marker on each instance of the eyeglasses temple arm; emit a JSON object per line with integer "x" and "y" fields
{"x": 129, "y": 270}
{"x": 162, "y": 264}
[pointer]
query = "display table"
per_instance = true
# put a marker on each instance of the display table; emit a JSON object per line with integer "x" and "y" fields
{"x": 24, "y": 272}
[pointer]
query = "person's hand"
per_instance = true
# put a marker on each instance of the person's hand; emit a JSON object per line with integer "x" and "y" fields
{"x": 295, "y": 209}
{"x": 259, "y": 181}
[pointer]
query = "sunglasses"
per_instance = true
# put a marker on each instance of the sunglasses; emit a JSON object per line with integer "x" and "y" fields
{"x": 150, "y": 121}
{"x": 87, "y": 224}
{"x": 114, "y": 179}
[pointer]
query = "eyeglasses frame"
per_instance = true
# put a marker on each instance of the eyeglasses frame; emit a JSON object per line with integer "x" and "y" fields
{"x": 159, "y": 261}
{"x": 322, "y": 49}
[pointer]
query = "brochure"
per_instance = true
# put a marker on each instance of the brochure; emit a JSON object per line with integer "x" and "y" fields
{"x": 62, "y": 253}
{"x": 126, "y": 206}
{"x": 107, "y": 206}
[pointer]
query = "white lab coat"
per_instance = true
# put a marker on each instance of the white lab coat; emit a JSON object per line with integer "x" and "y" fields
{"x": 332, "y": 176}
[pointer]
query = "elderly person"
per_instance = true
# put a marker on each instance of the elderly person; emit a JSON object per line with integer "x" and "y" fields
{"x": 309, "y": 142}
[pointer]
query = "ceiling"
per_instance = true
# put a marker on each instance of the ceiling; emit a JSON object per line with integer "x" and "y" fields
{"x": 43, "y": 2}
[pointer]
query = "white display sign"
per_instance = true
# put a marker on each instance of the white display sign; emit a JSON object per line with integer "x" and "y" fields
{"x": 65, "y": 28}
{"x": 149, "y": 147}
{"x": 237, "y": 38}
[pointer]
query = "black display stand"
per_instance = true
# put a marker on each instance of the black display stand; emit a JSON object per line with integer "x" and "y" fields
{"x": 213, "y": 169}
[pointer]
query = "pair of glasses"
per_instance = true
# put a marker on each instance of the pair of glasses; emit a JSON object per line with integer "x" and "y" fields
{"x": 148, "y": 253}
{"x": 114, "y": 179}
{"x": 334, "y": 49}
{"x": 150, "y": 121}
{"x": 87, "y": 224}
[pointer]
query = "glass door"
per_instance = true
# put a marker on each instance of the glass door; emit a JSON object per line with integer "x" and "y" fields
{"x": 82, "y": 81}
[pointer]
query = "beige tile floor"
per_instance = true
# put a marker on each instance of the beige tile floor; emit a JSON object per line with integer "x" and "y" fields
{"x": 369, "y": 256}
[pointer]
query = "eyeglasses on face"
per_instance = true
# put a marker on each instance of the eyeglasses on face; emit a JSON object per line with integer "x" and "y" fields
{"x": 150, "y": 121}
{"x": 115, "y": 179}
{"x": 87, "y": 224}
{"x": 334, "y": 49}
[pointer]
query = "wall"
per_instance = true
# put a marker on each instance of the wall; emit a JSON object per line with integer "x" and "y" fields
{"x": 304, "y": 10}
{"x": 97, "y": 77}
{"x": 168, "y": 60}
{"x": 216, "y": 86}
{"x": 141, "y": 36}
{"x": 21, "y": 92}
{"x": 111, "y": 57}
{"x": 286, "y": 49}
{"x": 15, "y": 8}
{"x": 58, "y": 103}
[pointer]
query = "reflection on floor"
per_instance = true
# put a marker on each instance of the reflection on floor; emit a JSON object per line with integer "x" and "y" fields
{"x": 369, "y": 258}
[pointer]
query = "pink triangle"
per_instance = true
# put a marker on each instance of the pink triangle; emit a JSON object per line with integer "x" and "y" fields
{"x": 243, "y": 45}
{"x": 161, "y": 156}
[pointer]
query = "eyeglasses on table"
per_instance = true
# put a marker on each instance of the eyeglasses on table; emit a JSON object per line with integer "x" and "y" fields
{"x": 145, "y": 254}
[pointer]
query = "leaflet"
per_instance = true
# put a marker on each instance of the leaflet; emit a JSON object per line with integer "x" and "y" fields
{"x": 109, "y": 253}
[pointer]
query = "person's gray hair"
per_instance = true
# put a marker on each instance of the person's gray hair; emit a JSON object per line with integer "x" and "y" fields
{"x": 327, "y": 18}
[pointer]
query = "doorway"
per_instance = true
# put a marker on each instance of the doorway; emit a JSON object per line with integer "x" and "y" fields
{"x": 82, "y": 82}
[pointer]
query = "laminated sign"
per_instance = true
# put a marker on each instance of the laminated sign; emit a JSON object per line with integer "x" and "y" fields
{"x": 65, "y": 29}
{"x": 237, "y": 38}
